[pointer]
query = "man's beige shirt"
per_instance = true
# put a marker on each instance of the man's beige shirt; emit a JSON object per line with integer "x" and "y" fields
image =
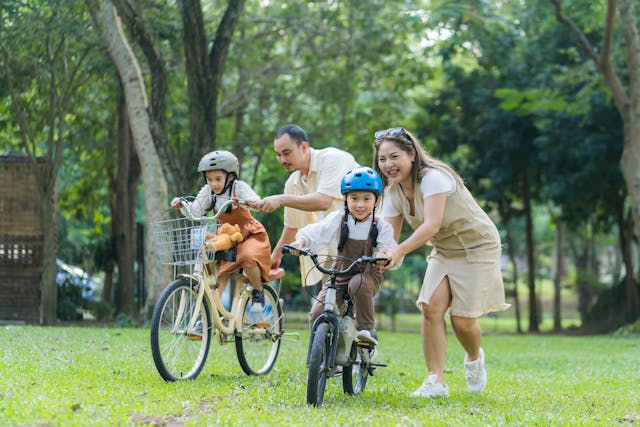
{"x": 326, "y": 169}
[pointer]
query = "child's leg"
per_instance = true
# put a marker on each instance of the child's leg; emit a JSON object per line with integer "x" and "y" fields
{"x": 255, "y": 278}
{"x": 223, "y": 280}
{"x": 362, "y": 289}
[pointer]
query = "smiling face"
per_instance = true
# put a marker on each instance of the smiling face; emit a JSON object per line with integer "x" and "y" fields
{"x": 394, "y": 162}
{"x": 216, "y": 180}
{"x": 291, "y": 155}
{"x": 360, "y": 204}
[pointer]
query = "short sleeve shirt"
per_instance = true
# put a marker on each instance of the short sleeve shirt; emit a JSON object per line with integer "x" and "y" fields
{"x": 326, "y": 169}
{"x": 435, "y": 181}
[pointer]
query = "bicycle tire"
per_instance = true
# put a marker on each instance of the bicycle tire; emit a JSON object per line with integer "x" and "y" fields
{"x": 258, "y": 340}
{"x": 179, "y": 353}
{"x": 318, "y": 365}
{"x": 355, "y": 375}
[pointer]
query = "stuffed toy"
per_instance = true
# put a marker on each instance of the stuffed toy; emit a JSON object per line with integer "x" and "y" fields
{"x": 228, "y": 235}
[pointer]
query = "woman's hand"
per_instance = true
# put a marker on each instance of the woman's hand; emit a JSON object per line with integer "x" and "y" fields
{"x": 297, "y": 244}
{"x": 393, "y": 254}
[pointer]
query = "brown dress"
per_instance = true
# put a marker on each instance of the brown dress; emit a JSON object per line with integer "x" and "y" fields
{"x": 254, "y": 249}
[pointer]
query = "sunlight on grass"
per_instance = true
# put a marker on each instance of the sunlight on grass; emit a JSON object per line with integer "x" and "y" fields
{"x": 98, "y": 376}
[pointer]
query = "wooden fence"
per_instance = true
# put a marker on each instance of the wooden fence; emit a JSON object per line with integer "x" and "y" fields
{"x": 21, "y": 239}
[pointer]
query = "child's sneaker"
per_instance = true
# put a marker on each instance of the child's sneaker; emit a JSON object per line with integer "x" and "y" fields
{"x": 196, "y": 333}
{"x": 367, "y": 335}
{"x": 257, "y": 301}
{"x": 475, "y": 374}
{"x": 431, "y": 388}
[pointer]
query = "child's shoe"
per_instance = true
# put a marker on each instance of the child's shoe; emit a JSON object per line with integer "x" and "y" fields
{"x": 367, "y": 335}
{"x": 475, "y": 374}
{"x": 257, "y": 301}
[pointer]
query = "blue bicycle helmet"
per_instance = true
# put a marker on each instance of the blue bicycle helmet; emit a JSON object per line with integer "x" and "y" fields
{"x": 361, "y": 179}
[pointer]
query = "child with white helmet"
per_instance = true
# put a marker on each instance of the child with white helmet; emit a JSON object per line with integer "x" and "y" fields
{"x": 359, "y": 233}
{"x": 220, "y": 170}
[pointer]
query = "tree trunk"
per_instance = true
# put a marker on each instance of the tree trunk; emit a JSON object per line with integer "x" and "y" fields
{"x": 534, "y": 321}
{"x": 558, "y": 274}
{"x": 131, "y": 14}
{"x": 49, "y": 290}
{"x": 514, "y": 262}
{"x": 204, "y": 71}
{"x": 625, "y": 233}
{"x": 123, "y": 215}
{"x": 155, "y": 186}
{"x": 581, "y": 263}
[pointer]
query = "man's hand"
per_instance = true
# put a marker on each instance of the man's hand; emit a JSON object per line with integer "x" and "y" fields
{"x": 176, "y": 203}
{"x": 271, "y": 203}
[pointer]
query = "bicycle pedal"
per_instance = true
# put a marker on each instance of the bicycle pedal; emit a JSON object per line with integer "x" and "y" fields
{"x": 194, "y": 337}
{"x": 365, "y": 344}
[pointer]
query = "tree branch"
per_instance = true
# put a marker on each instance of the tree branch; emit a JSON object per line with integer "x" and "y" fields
{"x": 603, "y": 62}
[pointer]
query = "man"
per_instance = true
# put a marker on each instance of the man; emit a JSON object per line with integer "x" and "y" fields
{"x": 311, "y": 192}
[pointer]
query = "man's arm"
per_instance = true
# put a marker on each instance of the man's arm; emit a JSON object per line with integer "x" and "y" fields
{"x": 312, "y": 202}
{"x": 288, "y": 236}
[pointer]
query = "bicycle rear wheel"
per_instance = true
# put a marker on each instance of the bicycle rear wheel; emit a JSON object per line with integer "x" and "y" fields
{"x": 258, "y": 340}
{"x": 179, "y": 346}
{"x": 318, "y": 365}
{"x": 354, "y": 376}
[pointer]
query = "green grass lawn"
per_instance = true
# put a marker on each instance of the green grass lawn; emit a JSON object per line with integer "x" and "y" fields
{"x": 68, "y": 376}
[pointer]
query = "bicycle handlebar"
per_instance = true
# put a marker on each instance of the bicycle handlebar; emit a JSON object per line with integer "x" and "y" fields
{"x": 333, "y": 271}
{"x": 186, "y": 204}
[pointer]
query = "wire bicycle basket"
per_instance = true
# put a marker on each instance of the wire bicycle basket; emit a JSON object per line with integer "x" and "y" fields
{"x": 181, "y": 241}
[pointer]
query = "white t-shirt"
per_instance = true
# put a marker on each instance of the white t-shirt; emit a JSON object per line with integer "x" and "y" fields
{"x": 435, "y": 181}
{"x": 202, "y": 202}
{"x": 327, "y": 232}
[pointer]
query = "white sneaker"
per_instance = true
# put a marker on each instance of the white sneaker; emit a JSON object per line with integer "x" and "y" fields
{"x": 368, "y": 336}
{"x": 475, "y": 374}
{"x": 431, "y": 388}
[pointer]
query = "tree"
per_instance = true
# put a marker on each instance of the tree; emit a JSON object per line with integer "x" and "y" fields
{"x": 55, "y": 64}
{"x": 625, "y": 99}
{"x": 155, "y": 186}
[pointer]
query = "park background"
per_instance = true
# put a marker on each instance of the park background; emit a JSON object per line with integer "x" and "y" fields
{"x": 109, "y": 104}
{"x": 113, "y": 103}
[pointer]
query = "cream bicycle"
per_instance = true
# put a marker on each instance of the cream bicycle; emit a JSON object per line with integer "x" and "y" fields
{"x": 190, "y": 311}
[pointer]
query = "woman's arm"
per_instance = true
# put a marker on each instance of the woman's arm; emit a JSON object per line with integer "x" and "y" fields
{"x": 433, "y": 212}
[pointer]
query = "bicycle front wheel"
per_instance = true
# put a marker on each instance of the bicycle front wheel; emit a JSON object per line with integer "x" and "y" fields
{"x": 180, "y": 337}
{"x": 258, "y": 340}
{"x": 318, "y": 365}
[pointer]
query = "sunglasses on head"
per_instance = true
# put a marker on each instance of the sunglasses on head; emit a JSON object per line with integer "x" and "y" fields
{"x": 392, "y": 132}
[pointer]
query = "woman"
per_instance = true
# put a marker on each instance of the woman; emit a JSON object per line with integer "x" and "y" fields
{"x": 463, "y": 270}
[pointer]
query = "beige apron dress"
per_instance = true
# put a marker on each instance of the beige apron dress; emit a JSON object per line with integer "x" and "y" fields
{"x": 466, "y": 249}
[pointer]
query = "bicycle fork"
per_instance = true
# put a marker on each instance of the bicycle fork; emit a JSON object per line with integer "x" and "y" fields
{"x": 330, "y": 318}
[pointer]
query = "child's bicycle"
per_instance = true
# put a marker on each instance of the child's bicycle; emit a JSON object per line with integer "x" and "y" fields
{"x": 332, "y": 345}
{"x": 190, "y": 310}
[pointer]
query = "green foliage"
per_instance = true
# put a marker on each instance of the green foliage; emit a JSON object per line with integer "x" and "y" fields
{"x": 57, "y": 376}
{"x": 630, "y": 331}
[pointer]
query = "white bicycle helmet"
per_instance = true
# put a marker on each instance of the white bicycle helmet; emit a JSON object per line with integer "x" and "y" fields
{"x": 219, "y": 159}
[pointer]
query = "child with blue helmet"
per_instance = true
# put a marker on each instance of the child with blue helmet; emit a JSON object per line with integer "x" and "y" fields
{"x": 359, "y": 233}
